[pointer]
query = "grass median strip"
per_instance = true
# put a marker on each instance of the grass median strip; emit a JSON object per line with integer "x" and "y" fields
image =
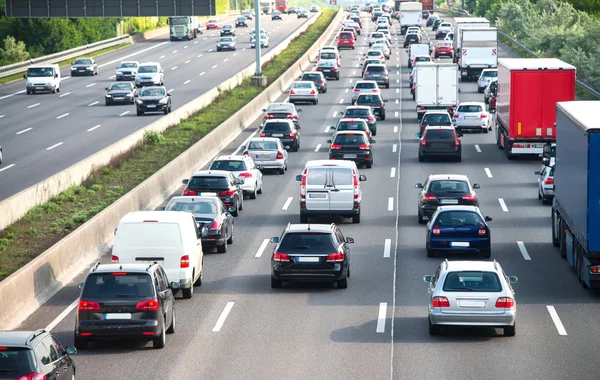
{"x": 46, "y": 224}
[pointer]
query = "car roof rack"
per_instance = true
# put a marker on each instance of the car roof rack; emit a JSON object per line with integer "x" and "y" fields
{"x": 95, "y": 266}
{"x": 35, "y": 335}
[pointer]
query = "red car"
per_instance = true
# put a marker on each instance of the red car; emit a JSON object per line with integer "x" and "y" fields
{"x": 444, "y": 49}
{"x": 212, "y": 24}
{"x": 492, "y": 103}
{"x": 346, "y": 40}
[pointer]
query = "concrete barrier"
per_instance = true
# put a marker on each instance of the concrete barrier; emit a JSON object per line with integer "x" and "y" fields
{"x": 31, "y": 286}
{"x": 16, "y": 206}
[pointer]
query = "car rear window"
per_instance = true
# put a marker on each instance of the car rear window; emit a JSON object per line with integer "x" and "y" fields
{"x": 302, "y": 85}
{"x": 358, "y": 112}
{"x": 377, "y": 35}
{"x": 353, "y": 125}
{"x": 472, "y": 281}
{"x": 207, "y": 208}
{"x": 375, "y": 69}
{"x": 489, "y": 74}
{"x": 436, "y": 119}
{"x": 440, "y": 134}
{"x": 262, "y": 145}
{"x": 341, "y": 176}
{"x": 458, "y": 219}
{"x": 231, "y": 166}
{"x": 328, "y": 55}
{"x": 470, "y": 108}
{"x": 16, "y": 361}
{"x": 374, "y": 53}
{"x": 200, "y": 182}
{"x": 122, "y": 285}
{"x": 346, "y": 35}
{"x": 422, "y": 59}
{"x": 307, "y": 242}
{"x": 312, "y": 77}
{"x": 350, "y": 139}
{"x": 281, "y": 107}
{"x": 412, "y": 36}
{"x": 276, "y": 127}
{"x": 365, "y": 85}
{"x": 368, "y": 99}
{"x": 448, "y": 186}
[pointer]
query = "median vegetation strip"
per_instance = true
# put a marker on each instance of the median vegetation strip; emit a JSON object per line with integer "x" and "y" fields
{"x": 46, "y": 224}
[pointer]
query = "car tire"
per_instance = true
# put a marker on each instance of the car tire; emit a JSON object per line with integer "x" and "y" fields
{"x": 282, "y": 171}
{"x": 343, "y": 283}
{"x": 253, "y": 194}
{"x": 421, "y": 158}
{"x": 510, "y": 330}
{"x": 458, "y": 158}
{"x": 166, "y": 111}
{"x": 171, "y": 329}
{"x": 188, "y": 293}
{"x": 140, "y": 113}
{"x": 276, "y": 284}
{"x": 546, "y": 201}
{"x": 383, "y": 116}
{"x": 28, "y": 92}
{"x": 356, "y": 218}
{"x": 387, "y": 85}
{"x": 369, "y": 164}
{"x": 485, "y": 130}
{"x": 434, "y": 329}
{"x": 486, "y": 254}
{"x": 303, "y": 219}
{"x": 57, "y": 89}
{"x": 375, "y": 132}
{"x": 161, "y": 340}
{"x": 80, "y": 343}
{"x": 237, "y": 209}
{"x": 222, "y": 248}
{"x": 430, "y": 252}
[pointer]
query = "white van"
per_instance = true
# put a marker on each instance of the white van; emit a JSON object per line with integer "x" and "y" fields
{"x": 330, "y": 187}
{"x": 417, "y": 49}
{"x": 42, "y": 78}
{"x": 170, "y": 238}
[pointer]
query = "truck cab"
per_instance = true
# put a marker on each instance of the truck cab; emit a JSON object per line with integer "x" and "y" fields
{"x": 183, "y": 28}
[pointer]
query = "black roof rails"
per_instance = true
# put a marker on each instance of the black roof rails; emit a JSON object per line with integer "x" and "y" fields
{"x": 35, "y": 335}
{"x": 95, "y": 266}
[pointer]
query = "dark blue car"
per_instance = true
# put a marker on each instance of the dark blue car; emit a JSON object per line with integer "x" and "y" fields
{"x": 460, "y": 229}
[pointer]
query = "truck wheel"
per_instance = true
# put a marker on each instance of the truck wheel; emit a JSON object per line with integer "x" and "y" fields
{"x": 555, "y": 241}
{"x": 562, "y": 239}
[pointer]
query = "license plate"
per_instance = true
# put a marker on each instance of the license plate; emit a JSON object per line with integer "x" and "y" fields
{"x": 470, "y": 117}
{"x": 317, "y": 195}
{"x": 277, "y": 134}
{"x": 349, "y": 155}
{"x": 307, "y": 259}
{"x": 327, "y": 71}
{"x": 459, "y": 243}
{"x": 151, "y": 106}
{"x": 449, "y": 201}
{"x": 376, "y": 76}
{"x": 121, "y": 98}
{"x": 39, "y": 88}
{"x": 471, "y": 303}
{"x": 117, "y": 316}
{"x": 208, "y": 194}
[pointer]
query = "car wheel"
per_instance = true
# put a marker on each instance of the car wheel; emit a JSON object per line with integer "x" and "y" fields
{"x": 430, "y": 252}
{"x": 510, "y": 330}
{"x": 546, "y": 201}
{"x": 387, "y": 85}
{"x": 242, "y": 203}
{"x": 236, "y": 212}
{"x": 80, "y": 343}
{"x": 161, "y": 340}
{"x": 171, "y": 328}
{"x": 222, "y": 248}
{"x": 303, "y": 219}
{"x": 435, "y": 330}
{"x": 230, "y": 240}
{"x": 343, "y": 283}
{"x": 369, "y": 164}
{"x": 421, "y": 158}
{"x": 458, "y": 158}
{"x": 188, "y": 293}
{"x": 539, "y": 195}
{"x": 485, "y": 130}
{"x": 276, "y": 284}
{"x": 383, "y": 116}
{"x": 253, "y": 194}
{"x": 166, "y": 111}
{"x": 140, "y": 113}
{"x": 282, "y": 171}
{"x": 259, "y": 191}
{"x": 356, "y": 218}
{"x": 28, "y": 92}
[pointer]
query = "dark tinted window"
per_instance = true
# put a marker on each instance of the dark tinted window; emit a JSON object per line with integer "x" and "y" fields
{"x": 262, "y": 145}
{"x": 198, "y": 207}
{"x": 311, "y": 77}
{"x": 440, "y": 134}
{"x": 277, "y": 127}
{"x": 199, "y": 182}
{"x": 368, "y": 99}
{"x": 422, "y": 59}
{"x": 352, "y": 126}
{"x": 107, "y": 285}
{"x": 363, "y": 85}
{"x": 232, "y": 166}
{"x": 458, "y": 219}
{"x": 16, "y": 361}
{"x": 375, "y": 69}
{"x": 412, "y": 37}
{"x": 309, "y": 242}
{"x": 470, "y": 108}
{"x": 472, "y": 282}
{"x": 346, "y": 35}
{"x": 354, "y": 112}
{"x": 350, "y": 139}
{"x": 490, "y": 74}
{"x": 436, "y": 119}
{"x": 448, "y": 186}
{"x": 317, "y": 176}
{"x": 328, "y": 56}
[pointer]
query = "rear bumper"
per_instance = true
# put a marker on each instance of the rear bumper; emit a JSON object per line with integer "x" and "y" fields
{"x": 213, "y": 240}
{"x": 439, "y": 153}
{"x": 303, "y": 98}
{"x": 309, "y": 275}
{"x": 360, "y": 157}
{"x": 472, "y": 319}
{"x": 348, "y": 213}
{"x": 470, "y": 125}
{"x": 279, "y": 164}
{"x": 445, "y": 244}
{"x": 135, "y": 330}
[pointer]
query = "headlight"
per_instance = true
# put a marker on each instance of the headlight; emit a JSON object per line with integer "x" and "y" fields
{"x": 88, "y": 68}
{"x": 73, "y": 69}
{"x": 140, "y": 102}
{"x": 108, "y": 95}
{"x": 163, "y": 101}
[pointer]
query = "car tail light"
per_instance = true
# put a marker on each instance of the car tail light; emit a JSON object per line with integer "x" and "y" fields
{"x": 216, "y": 225}
{"x": 456, "y": 140}
{"x": 335, "y": 257}
{"x": 364, "y": 146}
{"x": 356, "y": 90}
{"x": 245, "y": 153}
{"x": 33, "y": 376}
{"x": 292, "y": 92}
{"x": 89, "y": 306}
{"x": 429, "y": 197}
{"x": 147, "y": 305}
{"x": 335, "y": 146}
{"x": 303, "y": 185}
{"x": 455, "y": 116}
{"x": 318, "y": 69}
{"x": 424, "y": 139}
{"x": 505, "y": 302}
{"x": 246, "y": 175}
{"x": 595, "y": 270}
{"x": 469, "y": 197}
{"x": 189, "y": 192}
{"x": 482, "y": 116}
{"x": 371, "y": 119}
{"x": 320, "y": 81}
{"x": 375, "y": 90}
{"x": 278, "y": 256}
{"x": 355, "y": 184}
{"x": 549, "y": 181}
{"x": 333, "y": 69}
{"x": 262, "y": 134}
{"x": 185, "y": 261}
{"x": 269, "y": 116}
{"x": 420, "y": 108}
{"x": 114, "y": 259}
{"x": 367, "y": 73}
{"x": 482, "y": 231}
{"x": 313, "y": 92}
{"x": 436, "y": 230}
{"x": 440, "y": 301}
{"x": 279, "y": 156}
{"x": 227, "y": 193}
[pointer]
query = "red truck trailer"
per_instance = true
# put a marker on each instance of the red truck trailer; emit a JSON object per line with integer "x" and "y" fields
{"x": 427, "y": 5}
{"x": 528, "y": 90}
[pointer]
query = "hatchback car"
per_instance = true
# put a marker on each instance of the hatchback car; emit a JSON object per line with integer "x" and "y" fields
{"x": 367, "y": 62}
{"x": 378, "y": 74}
{"x": 353, "y": 146}
{"x": 120, "y": 93}
{"x": 212, "y": 24}
{"x": 150, "y": 74}
{"x": 241, "y": 21}
{"x": 226, "y": 43}
{"x": 284, "y": 130}
{"x": 227, "y": 30}
{"x": 443, "y": 49}
{"x": 440, "y": 142}
{"x": 125, "y": 301}
{"x": 243, "y": 167}
{"x": 486, "y": 77}
{"x": 375, "y": 101}
{"x": 153, "y": 99}
{"x": 375, "y": 36}
{"x": 473, "y": 294}
{"x": 264, "y": 41}
{"x": 375, "y": 54}
{"x": 346, "y": 40}
{"x": 276, "y": 15}
{"x": 34, "y": 355}
{"x": 355, "y": 125}
{"x": 318, "y": 78}
{"x": 435, "y": 118}
{"x": 364, "y": 113}
{"x": 459, "y": 229}
{"x": 387, "y": 52}
{"x": 471, "y": 115}
{"x": 268, "y": 153}
{"x": 127, "y": 70}
{"x": 287, "y": 111}
{"x": 303, "y": 91}
{"x": 546, "y": 184}
{"x": 224, "y": 183}
{"x": 431, "y": 19}
{"x": 84, "y": 66}
{"x": 412, "y": 38}
{"x": 329, "y": 69}
{"x": 444, "y": 189}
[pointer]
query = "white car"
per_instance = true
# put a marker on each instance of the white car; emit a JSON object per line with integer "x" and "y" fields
{"x": 329, "y": 55}
{"x": 264, "y": 41}
{"x": 304, "y": 91}
{"x": 375, "y": 36}
{"x": 471, "y": 115}
{"x": 383, "y": 47}
{"x": 243, "y": 167}
{"x": 375, "y": 54}
{"x": 487, "y": 76}
{"x": 413, "y": 29}
{"x": 268, "y": 153}
{"x": 364, "y": 87}
{"x": 253, "y": 33}
{"x": 127, "y": 70}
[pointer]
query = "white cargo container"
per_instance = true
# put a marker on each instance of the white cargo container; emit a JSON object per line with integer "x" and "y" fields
{"x": 436, "y": 87}
{"x": 411, "y": 14}
{"x": 479, "y": 51}
{"x": 464, "y": 23}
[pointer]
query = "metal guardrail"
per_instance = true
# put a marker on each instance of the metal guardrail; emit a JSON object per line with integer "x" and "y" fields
{"x": 20, "y": 67}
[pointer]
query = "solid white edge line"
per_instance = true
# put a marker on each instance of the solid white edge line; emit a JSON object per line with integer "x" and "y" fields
{"x": 523, "y": 250}
{"x": 96, "y": 127}
{"x": 317, "y": 148}
{"x": 7, "y": 167}
{"x": 391, "y": 204}
{"x": 262, "y": 247}
{"x": 287, "y": 203}
{"x": 11, "y": 95}
{"x": 387, "y": 247}
{"x": 393, "y": 172}
{"x": 556, "y": 319}
{"x": 381, "y": 317}
{"x": 62, "y": 315}
{"x": 488, "y": 172}
{"x": 54, "y": 146}
{"x": 223, "y": 317}
{"x": 477, "y": 148}
{"x": 502, "y": 204}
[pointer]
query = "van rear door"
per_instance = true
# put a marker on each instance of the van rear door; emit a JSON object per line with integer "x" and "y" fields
{"x": 341, "y": 189}
{"x": 317, "y": 193}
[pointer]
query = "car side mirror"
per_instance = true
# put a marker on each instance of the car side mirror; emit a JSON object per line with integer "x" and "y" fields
{"x": 70, "y": 350}
{"x": 275, "y": 239}
{"x": 419, "y": 186}
{"x": 185, "y": 181}
{"x": 362, "y": 178}
{"x": 373, "y": 141}
{"x": 341, "y": 113}
{"x": 427, "y": 278}
{"x": 385, "y": 101}
{"x": 55, "y": 75}
{"x": 24, "y": 76}
{"x": 231, "y": 209}
{"x": 174, "y": 285}
{"x": 418, "y": 135}
{"x": 349, "y": 240}
{"x": 476, "y": 186}
{"x": 488, "y": 218}
{"x": 299, "y": 178}
{"x": 240, "y": 181}
{"x": 328, "y": 141}
{"x": 361, "y": 65}
{"x": 513, "y": 279}
{"x": 264, "y": 110}
{"x": 299, "y": 110}
{"x": 162, "y": 208}
{"x": 459, "y": 134}
{"x": 106, "y": 88}
{"x": 168, "y": 94}
{"x": 80, "y": 286}
{"x": 115, "y": 232}
{"x": 537, "y": 172}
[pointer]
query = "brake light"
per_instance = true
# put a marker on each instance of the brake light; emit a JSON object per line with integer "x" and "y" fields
{"x": 292, "y": 135}
{"x": 279, "y": 156}
{"x": 189, "y": 192}
{"x": 595, "y": 270}
{"x": 246, "y": 175}
{"x": 114, "y": 259}
{"x": 147, "y": 305}
{"x": 335, "y": 146}
{"x": 482, "y": 230}
{"x": 216, "y": 225}
{"x": 356, "y": 90}
{"x": 269, "y": 116}
{"x": 119, "y": 273}
{"x": 483, "y": 116}
{"x": 227, "y": 193}
{"x": 88, "y": 306}
{"x": 333, "y": 69}
{"x": 440, "y": 301}
{"x": 364, "y": 146}
{"x": 456, "y": 140}
{"x": 429, "y": 197}
{"x": 505, "y": 302}
{"x": 292, "y": 92}
{"x": 303, "y": 185}
{"x": 420, "y": 108}
{"x": 245, "y": 153}
{"x": 371, "y": 119}
{"x": 33, "y": 376}
{"x": 278, "y": 256}
{"x": 313, "y": 92}
{"x": 375, "y": 90}
{"x": 367, "y": 73}
{"x": 424, "y": 139}
{"x": 436, "y": 230}
{"x": 469, "y": 197}
{"x": 335, "y": 257}
{"x": 318, "y": 69}
{"x": 549, "y": 181}
{"x": 262, "y": 134}
{"x": 320, "y": 81}
{"x": 455, "y": 116}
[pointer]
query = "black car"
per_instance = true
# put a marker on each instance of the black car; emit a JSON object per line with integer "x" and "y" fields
{"x": 120, "y": 93}
{"x": 125, "y": 301}
{"x": 227, "y": 30}
{"x": 440, "y": 142}
{"x": 223, "y": 183}
{"x": 425, "y": 15}
{"x": 286, "y": 111}
{"x": 241, "y": 21}
{"x": 375, "y": 101}
{"x": 302, "y": 14}
{"x": 329, "y": 69}
{"x": 276, "y": 16}
{"x": 412, "y": 38}
{"x": 436, "y": 23}
{"x": 431, "y": 19}
{"x": 209, "y": 212}
{"x": 311, "y": 253}
{"x": 444, "y": 189}
{"x": 153, "y": 99}
{"x": 317, "y": 78}
{"x": 361, "y": 112}
{"x": 352, "y": 146}
{"x": 284, "y": 130}
{"x": 292, "y": 10}
{"x": 33, "y": 355}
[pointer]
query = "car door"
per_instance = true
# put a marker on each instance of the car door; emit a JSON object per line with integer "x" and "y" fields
{"x": 341, "y": 188}
{"x": 65, "y": 369}
{"x": 164, "y": 294}
{"x": 317, "y": 193}
{"x": 49, "y": 359}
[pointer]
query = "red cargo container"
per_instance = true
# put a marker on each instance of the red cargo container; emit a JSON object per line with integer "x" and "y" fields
{"x": 528, "y": 90}
{"x": 427, "y": 5}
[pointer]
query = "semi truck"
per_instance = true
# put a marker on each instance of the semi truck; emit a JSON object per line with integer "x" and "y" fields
{"x": 436, "y": 87}
{"x": 267, "y": 7}
{"x": 463, "y": 23}
{"x": 528, "y": 90}
{"x": 576, "y": 204}
{"x": 183, "y": 27}
{"x": 479, "y": 50}
{"x": 427, "y": 5}
{"x": 411, "y": 14}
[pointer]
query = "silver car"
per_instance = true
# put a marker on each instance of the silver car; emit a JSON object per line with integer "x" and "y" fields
{"x": 304, "y": 91}
{"x": 486, "y": 77}
{"x": 546, "y": 184}
{"x": 150, "y": 74}
{"x": 268, "y": 153}
{"x": 364, "y": 87}
{"x": 471, "y": 293}
{"x": 127, "y": 70}
{"x": 471, "y": 115}
{"x": 244, "y": 168}
{"x": 226, "y": 43}
{"x": 84, "y": 66}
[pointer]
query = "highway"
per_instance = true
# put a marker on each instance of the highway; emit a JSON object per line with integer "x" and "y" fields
{"x": 237, "y": 327}
{"x": 42, "y": 134}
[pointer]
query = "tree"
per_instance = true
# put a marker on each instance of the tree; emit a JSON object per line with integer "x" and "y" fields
{"x": 13, "y": 51}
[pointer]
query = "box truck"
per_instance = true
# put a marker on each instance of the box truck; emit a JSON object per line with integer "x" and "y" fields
{"x": 436, "y": 87}
{"x": 463, "y": 23}
{"x": 411, "y": 14}
{"x": 479, "y": 51}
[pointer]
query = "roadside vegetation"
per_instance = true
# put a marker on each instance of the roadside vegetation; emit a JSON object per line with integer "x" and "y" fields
{"x": 46, "y": 224}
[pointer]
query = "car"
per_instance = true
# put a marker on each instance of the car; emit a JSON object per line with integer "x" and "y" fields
{"x": 227, "y": 30}
{"x": 490, "y": 90}
{"x": 304, "y": 253}
{"x": 382, "y": 24}
{"x": 431, "y": 19}
{"x": 210, "y": 213}
{"x": 435, "y": 118}
{"x": 330, "y": 187}
{"x": 329, "y": 48}
{"x": 484, "y": 282}
{"x": 375, "y": 101}
{"x": 472, "y": 115}
{"x": 314, "y": 9}
{"x": 444, "y": 189}
{"x": 284, "y": 130}
{"x": 412, "y": 38}
{"x": 125, "y": 301}
{"x": 212, "y": 24}
{"x": 375, "y": 54}
{"x": 252, "y": 33}
{"x": 120, "y": 93}
{"x": 302, "y": 14}
{"x": 221, "y": 182}
{"x": 226, "y": 43}
{"x": 352, "y": 125}
{"x": 346, "y": 40}
{"x": 353, "y": 146}
{"x": 292, "y": 10}
{"x": 264, "y": 41}
{"x": 350, "y": 30}
{"x": 329, "y": 69}
{"x": 248, "y": 14}
{"x": 440, "y": 141}
{"x": 361, "y": 112}
{"x": 486, "y": 77}
{"x": 420, "y": 58}
{"x": 31, "y": 354}
{"x": 364, "y": 87}
{"x": 241, "y": 21}
{"x": 375, "y": 36}
{"x": 357, "y": 20}
{"x": 377, "y": 73}
{"x": 150, "y": 74}
{"x": 444, "y": 49}
{"x": 127, "y": 70}
{"x": 425, "y": 15}
{"x": 304, "y": 91}
{"x": 318, "y": 78}
{"x": 243, "y": 167}
{"x": 84, "y": 66}
{"x": 329, "y": 55}
{"x": 384, "y": 41}
{"x": 442, "y": 30}
{"x": 276, "y": 15}
{"x": 436, "y": 23}
{"x": 286, "y": 111}
{"x": 546, "y": 184}
{"x": 367, "y": 62}
{"x": 387, "y": 52}
{"x": 153, "y": 99}
{"x": 268, "y": 153}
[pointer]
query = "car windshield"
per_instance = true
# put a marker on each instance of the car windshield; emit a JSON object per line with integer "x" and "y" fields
{"x": 375, "y": 68}
{"x": 199, "y": 207}
{"x": 262, "y": 145}
{"x": 276, "y": 127}
{"x": 472, "y": 281}
{"x": 225, "y": 39}
{"x": 470, "y": 108}
{"x": 121, "y": 86}
{"x": 232, "y": 166}
{"x": 489, "y": 74}
{"x": 440, "y": 134}
{"x": 436, "y": 119}
{"x": 281, "y": 107}
{"x": 448, "y": 186}
{"x": 179, "y": 20}
{"x": 369, "y": 99}
{"x": 310, "y": 242}
{"x": 358, "y": 112}
{"x": 83, "y": 62}
{"x": 36, "y": 72}
{"x": 153, "y": 92}
{"x": 227, "y": 26}
{"x": 121, "y": 284}
{"x": 458, "y": 219}
{"x": 128, "y": 65}
{"x": 16, "y": 360}
{"x": 350, "y": 139}
{"x": 352, "y": 125}
{"x": 216, "y": 182}
{"x": 148, "y": 69}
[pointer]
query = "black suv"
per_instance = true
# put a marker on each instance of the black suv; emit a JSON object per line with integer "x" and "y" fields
{"x": 361, "y": 112}
{"x": 284, "y": 130}
{"x": 220, "y": 183}
{"x": 352, "y": 146}
{"x": 444, "y": 189}
{"x": 312, "y": 253}
{"x": 375, "y": 101}
{"x": 412, "y": 38}
{"x": 30, "y": 355}
{"x": 125, "y": 301}
{"x": 440, "y": 142}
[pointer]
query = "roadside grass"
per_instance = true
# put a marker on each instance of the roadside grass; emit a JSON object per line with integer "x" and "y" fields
{"x": 46, "y": 224}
